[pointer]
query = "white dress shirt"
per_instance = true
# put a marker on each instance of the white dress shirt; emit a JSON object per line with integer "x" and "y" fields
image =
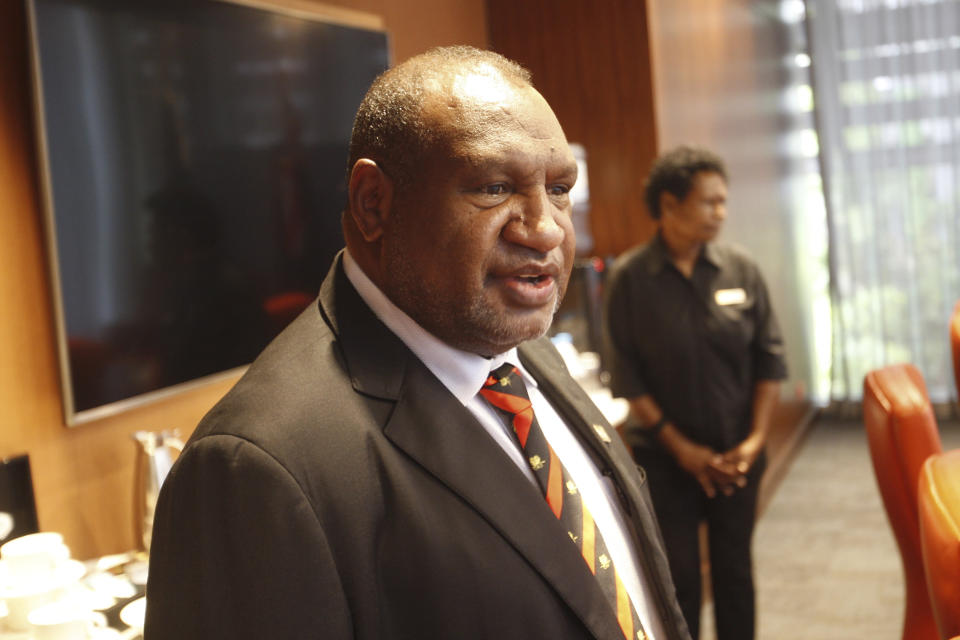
{"x": 464, "y": 374}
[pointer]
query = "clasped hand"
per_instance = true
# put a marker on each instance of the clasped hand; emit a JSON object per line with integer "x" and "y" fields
{"x": 724, "y": 472}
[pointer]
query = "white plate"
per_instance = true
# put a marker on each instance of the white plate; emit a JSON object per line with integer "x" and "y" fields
{"x": 133, "y": 613}
{"x": 66, "y": 573}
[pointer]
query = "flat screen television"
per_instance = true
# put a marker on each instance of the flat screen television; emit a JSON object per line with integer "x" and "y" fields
{"x": 193, "y": 158}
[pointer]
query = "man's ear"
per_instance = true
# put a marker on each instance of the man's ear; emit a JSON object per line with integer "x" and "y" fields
{"x": 370, "y": 196}
{"x": 668, "y": 203}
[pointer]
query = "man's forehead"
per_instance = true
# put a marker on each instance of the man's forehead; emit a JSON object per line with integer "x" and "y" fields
{"x": 481, "y": 106}
{"x": 461, "y": 97}
{"x": 480, "y": 114}
{"x": 486, "y": 148}
{"x": 555, "y": 160}
{"x": 709, "y": 179}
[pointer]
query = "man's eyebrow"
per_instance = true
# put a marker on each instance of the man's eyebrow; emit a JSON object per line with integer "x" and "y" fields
{"x": 506, "y": 161}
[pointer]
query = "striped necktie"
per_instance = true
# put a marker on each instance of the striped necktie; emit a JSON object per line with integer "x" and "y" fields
{"x": 506, "y": 392}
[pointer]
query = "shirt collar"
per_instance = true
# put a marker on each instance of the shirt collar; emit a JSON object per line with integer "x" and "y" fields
{"x": 461, "y": 372}
{"x": 660, "y": 254}
{"x": 712, "y": 255}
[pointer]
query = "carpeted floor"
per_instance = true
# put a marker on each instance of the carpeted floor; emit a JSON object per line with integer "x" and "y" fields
{"x": 827, "y": 566}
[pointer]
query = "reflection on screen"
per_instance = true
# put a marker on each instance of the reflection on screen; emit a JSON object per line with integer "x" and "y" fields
{"x": 196, "y": 154}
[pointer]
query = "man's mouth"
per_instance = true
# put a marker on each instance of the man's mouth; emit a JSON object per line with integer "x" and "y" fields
{"x": 529, "y": 287}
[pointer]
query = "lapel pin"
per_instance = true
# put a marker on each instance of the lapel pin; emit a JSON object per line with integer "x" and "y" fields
{"x": 602, "y": 433}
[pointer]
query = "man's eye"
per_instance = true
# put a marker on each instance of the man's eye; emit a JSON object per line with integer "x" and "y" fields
{"x": 558, "y": 189}
{"x": 498, "y": 189}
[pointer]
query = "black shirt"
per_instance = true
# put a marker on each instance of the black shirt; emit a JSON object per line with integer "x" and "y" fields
{"x": 698, "y": 345}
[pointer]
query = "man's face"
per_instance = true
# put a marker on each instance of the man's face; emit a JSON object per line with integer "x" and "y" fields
{"x": 699, "y": 217}
{"x": 479, "y": 248}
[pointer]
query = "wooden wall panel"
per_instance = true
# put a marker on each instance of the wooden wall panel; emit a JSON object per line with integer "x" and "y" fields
{"x": 84, "y": 476}
{"x": 591, "y": 62}
{"x": 417, "y": 25}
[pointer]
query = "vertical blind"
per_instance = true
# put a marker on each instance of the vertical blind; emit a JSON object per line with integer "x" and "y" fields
{"x": 886, "y": 80}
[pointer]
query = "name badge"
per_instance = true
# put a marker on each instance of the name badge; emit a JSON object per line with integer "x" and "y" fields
{"x": 727, "y": 297}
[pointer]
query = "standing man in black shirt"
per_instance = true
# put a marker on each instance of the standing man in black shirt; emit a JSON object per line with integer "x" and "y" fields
{"x": 693, "y": 344}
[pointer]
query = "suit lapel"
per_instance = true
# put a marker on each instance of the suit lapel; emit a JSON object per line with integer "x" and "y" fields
{"x": 613, "y": 460}
{"x": 568, "y": 397}
{"x": 431, "y": 426}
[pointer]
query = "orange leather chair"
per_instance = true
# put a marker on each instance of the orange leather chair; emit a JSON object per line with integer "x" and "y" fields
{"x": 939, "y": 501}
{"x": 955, "y": 344}
{"x": 902, "y": 433}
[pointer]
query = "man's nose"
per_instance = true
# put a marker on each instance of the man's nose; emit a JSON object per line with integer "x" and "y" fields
{"x": 536, "y": 225}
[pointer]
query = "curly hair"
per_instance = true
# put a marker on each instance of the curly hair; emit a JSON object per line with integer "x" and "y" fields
{"x": 389, "y": 127}
{"x": 674, "y": 172}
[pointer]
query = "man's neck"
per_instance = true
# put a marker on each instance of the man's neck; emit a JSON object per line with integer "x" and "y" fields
{"x": 683, "y": 253}
{"x": 460, "y": 371}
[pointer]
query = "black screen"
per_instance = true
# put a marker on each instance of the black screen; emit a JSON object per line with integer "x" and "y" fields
{"x": 196, "y": 157}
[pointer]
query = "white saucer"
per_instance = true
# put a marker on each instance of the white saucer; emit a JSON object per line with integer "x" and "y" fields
{"x": 63, "y": 610}
{"x": 133, "y": 613}
{"x": 66, "y": 572}
{"x": 117, "y": 587}
{"x": 82, "y": 595}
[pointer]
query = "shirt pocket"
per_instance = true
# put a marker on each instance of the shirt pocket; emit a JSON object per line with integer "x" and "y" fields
{"x": 732, "y": 324}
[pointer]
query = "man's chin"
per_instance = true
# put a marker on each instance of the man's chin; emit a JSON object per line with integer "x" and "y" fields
{"x": 492, "y": 341}
{"x": 529, "y": 328}
{"x": 492, "y": 327}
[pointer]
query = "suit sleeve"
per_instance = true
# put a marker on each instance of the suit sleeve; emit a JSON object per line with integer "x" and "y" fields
{"x": 239, "y": 553}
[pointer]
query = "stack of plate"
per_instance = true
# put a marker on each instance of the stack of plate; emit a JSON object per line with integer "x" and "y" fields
{"x": 41, "y": 592}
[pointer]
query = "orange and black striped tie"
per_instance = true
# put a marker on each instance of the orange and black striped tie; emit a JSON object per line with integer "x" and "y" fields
{"x": 505, "y": 390}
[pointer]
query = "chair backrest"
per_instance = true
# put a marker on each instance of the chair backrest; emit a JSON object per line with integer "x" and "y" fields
{"x": 939, "y": 503}
{"x": 955, "y": 344}
{"x": 902, "y": 433}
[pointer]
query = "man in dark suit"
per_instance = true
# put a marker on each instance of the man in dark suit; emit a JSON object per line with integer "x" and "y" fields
{"x": 356, "y": 483}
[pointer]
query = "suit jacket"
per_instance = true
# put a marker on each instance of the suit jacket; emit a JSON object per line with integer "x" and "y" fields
{"x": 340, "y": 491}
